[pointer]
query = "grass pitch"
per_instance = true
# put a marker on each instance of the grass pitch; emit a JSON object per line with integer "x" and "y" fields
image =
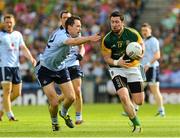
{"x": 101, "y": 120}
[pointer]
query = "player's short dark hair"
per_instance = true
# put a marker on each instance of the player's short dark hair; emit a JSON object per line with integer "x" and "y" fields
{"x": 71, "y": 20}
{"x": 117, "y": 14}
{"x": 146, "y": 25}
{"x": 8, "y": 16}
{"x": 62, "y": 12}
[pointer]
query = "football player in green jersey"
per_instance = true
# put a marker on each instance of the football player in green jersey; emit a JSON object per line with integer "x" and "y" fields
{"x": 125, "y": 72}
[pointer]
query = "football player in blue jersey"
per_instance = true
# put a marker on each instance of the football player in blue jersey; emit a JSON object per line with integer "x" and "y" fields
{"x": 73, "y": 65}
{"x": 11, "y": 43}
{"x": 151, "y": 65}
{"x": 52, "y": 68}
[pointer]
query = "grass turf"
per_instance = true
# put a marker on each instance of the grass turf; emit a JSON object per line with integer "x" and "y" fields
{"x": 100, "y": 120}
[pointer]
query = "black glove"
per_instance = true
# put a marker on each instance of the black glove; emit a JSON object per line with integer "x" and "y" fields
{"x": 79, "y": 57}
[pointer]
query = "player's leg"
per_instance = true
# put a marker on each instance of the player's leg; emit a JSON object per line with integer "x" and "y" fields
{"x": 129, "y": 109}
{"x": 69, "y": 95}
{"x": 78, "y": 102}
{"x": 45, "y": 79}
{"x": 1, "y": 114}
{"x": 135, "y": 85}
{"x": 136, "y": 106}
{"x": 7, "y": 88}
{"x": 16, "y": 85}
{"x": 137, "y": 95}
{"x": 16, "y": 91}
{"x": 155, "y": 90}
{"x": 126, "y": 102}
{"x": 50, "y": 92}
{"x": 152, "y": 76}
{"x": 120, "y": 84}
{"x": 138, "y": 98}
{"x": 1, "y": 110}
{"x": 69, "y": 98}
{"x": 1, "y": 100}
{"x": 60, "y": 98}
{"x": 76, "y": 74}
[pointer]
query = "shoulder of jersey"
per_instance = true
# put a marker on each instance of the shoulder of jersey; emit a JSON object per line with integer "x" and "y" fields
{"x": 108, "y": 35}
{"x": 154, "y": 38}
{"x": 61, "y": 31}
{"x": 2, "y": 31}
{"x": 17, "y": 32}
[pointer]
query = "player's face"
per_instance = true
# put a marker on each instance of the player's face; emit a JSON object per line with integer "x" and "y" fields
{"x": 9, "y": 24}
{"x": 75, "y": 29}
{"x": 116, "y": 24}
{"x": 64, "y": 17}
{"x": 145, "y": 31}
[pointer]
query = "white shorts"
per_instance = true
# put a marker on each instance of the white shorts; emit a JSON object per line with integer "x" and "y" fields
{"x": 132, "y": 74}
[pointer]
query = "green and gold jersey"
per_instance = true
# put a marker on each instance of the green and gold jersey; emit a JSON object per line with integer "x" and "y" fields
{"x": 116, "y": 44}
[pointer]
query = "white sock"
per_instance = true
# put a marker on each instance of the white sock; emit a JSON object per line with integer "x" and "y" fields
{"x": 64, "y": 111}
{"x": 78, "y": 116}
{"x": 161, "y": 109}
{"x": 136, "y": 107}
{"x": 9, "y": 114}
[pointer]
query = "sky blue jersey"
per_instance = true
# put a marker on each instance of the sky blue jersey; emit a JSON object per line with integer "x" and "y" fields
{"x": 71, "y": 58}
{"x": 151, "y": 47}
{"x": 56, "y": 51}
{"x": 10, "y": 44}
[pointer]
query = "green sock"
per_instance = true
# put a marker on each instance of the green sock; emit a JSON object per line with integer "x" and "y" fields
{"x": 135, "y": 121}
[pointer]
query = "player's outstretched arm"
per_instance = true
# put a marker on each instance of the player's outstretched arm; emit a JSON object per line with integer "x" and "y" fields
{"x": 81, "y": 40}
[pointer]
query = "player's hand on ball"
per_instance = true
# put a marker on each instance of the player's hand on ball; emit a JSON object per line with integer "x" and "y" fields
{"x": 123, "y": 63}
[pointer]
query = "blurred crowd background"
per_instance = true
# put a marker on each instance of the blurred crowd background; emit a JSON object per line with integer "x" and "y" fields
{"x": 36, "y": 19}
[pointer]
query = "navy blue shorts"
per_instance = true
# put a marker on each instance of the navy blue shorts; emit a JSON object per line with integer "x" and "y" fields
{"x": 46, "y": 76}
{"x": 152, "y": 74}
{"x": 75, "y": 72}
{"x": 11, "y": 74}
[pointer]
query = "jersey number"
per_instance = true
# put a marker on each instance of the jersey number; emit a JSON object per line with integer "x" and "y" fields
{"x": 52, "y": 38}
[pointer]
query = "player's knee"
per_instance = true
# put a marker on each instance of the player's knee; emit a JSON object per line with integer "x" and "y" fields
{"x": 78, "y": 93}
{"x": 6, "y": 91}
{"x": 71, "y": 98}
{"x": 124, "y": 99}
{"x": 18, "y": 93}
{"x": 140, "y": 102}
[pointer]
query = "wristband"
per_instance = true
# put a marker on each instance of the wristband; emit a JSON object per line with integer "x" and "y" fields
{"x": 115, "y": 62}
{"x": 79, "y": 57}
